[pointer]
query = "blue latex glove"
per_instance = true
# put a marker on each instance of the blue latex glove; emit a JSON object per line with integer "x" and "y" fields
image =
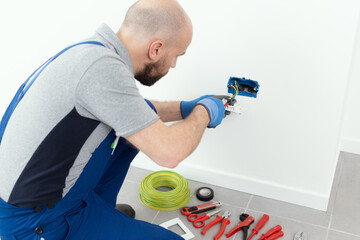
{"x": 215, "y": 108}
{"x": 187, "y": 107}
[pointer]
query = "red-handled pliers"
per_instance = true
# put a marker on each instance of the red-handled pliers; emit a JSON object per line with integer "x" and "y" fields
{"x": 225, "y": 221}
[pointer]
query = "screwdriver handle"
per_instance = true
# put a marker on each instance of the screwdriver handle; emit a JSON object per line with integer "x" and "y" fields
{"x": 259, "y": 225}
{"x": 251, "y": 236}
{"x": 275, "y": 236}
{"x": 271, "y": 232}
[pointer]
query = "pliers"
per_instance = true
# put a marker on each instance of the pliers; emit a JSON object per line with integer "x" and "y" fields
{"x": 245, "y": 222}
{"x": 225, "y": 221}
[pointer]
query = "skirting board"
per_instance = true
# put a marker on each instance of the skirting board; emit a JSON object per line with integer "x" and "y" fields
{"x": 350, "y": 145}
{"x": 240, "y": 183}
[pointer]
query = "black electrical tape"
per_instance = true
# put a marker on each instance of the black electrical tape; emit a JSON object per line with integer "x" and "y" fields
{"x": 205, "y": 194}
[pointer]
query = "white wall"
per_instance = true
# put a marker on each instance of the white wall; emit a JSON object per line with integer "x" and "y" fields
{"x": 285, "y": 145}
{"x": 351, "y": 125}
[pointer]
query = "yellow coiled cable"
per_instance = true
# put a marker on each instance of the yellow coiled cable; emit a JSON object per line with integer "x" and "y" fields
{"x": 164, "y": 201}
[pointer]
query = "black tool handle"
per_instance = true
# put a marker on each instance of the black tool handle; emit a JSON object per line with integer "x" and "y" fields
{"x": 204, "y": 210}
{"x": 245, "y": 230}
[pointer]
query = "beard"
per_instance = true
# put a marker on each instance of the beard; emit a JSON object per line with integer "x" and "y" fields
{"x": 150, "y": 74}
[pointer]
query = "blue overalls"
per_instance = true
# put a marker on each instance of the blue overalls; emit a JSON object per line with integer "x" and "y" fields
{"x": 88, "y": 210}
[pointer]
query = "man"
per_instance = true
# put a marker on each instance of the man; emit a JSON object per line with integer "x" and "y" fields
{"x": 69, "y": 143}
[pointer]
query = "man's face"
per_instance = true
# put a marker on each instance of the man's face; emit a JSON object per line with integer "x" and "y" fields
{"x": 153, "y": 72}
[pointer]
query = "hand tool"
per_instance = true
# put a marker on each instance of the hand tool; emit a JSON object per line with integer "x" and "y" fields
{"x": 225, "y": 221}
{"x": 275, "y": 236}
{"x": 227, "y": 100}
{"x": 300, "y": 236}
{"x": 259, "y": 225}
{"x": 230, "y": 104}
{"x": 245, "y": 222}
{"x": 270, "y": 232}
{"x": 199, "y": 221}
{"x": 200, "y": 208}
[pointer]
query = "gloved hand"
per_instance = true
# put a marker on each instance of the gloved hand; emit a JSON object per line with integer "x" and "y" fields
{"x": 230, "y": 101}
{"x": 187, "y": 107}
{"x": 215, "y": 108}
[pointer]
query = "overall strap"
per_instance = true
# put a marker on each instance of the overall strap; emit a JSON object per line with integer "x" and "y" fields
{"x": 27, "y": 84}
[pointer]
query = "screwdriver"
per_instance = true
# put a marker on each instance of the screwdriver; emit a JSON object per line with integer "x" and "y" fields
{"x": 275, "y": 236}
{"x": 259, "y": 225}
{"x": 271, "y": 232}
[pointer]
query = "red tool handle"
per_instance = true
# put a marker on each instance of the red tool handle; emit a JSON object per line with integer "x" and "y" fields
{"x": 275, "y": 236}
{"x": 225, "y": 222}
{"x": 271, "y": 232}
{"x": 190, "y": 210}
{"x": 251, "y": 236}
{"x": 259, "y": 225}
{"x": 212, "y": 223}
{"x": 194, "y": 217}
{"x": 200, "y": 224}
{"x": 233, "y": 231}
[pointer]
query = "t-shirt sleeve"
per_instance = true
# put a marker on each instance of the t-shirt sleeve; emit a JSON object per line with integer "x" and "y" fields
{"x": 107, "y": 92}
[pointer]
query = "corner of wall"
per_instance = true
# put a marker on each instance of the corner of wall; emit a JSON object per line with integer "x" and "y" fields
{"x": 350, "y": 145}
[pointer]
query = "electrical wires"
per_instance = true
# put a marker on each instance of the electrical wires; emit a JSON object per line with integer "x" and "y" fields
{"x": 236, "y": 91}
{"x": 160, "y": 200}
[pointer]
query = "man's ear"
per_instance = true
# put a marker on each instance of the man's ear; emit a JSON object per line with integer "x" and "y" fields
{"x": 156, "y": 50}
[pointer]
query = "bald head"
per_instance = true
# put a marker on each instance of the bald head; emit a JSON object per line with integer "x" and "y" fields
{"x": 163, "y": 19}
{"x": 155, "y": 33}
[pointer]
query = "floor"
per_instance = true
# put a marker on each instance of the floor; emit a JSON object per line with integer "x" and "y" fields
{"x": 340, "y": 222}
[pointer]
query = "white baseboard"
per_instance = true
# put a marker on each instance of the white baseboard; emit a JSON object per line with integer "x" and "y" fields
{"x": 350, "y": 145}
{"x": 243, "y": 184}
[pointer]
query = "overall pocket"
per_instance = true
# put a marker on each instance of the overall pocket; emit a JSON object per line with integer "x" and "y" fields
{"x": 57, "y": 230}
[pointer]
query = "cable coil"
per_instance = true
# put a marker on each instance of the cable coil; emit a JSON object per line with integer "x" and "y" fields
{"x": 164, "y": 201}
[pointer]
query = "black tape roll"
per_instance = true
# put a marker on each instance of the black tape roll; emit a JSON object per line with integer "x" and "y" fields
{"x": 205, "y": 194}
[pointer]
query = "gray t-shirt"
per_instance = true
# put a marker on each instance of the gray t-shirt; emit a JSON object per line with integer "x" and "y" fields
{"x": 65, "y": 115}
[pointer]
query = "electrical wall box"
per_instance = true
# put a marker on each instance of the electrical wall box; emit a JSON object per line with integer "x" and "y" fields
{"x": 247, "y": 87}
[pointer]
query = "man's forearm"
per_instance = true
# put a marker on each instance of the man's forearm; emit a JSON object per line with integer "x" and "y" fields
{"x": 189, "y": 132}
{"x": 169, "y": 145}
{"x": 168, "y": 111}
